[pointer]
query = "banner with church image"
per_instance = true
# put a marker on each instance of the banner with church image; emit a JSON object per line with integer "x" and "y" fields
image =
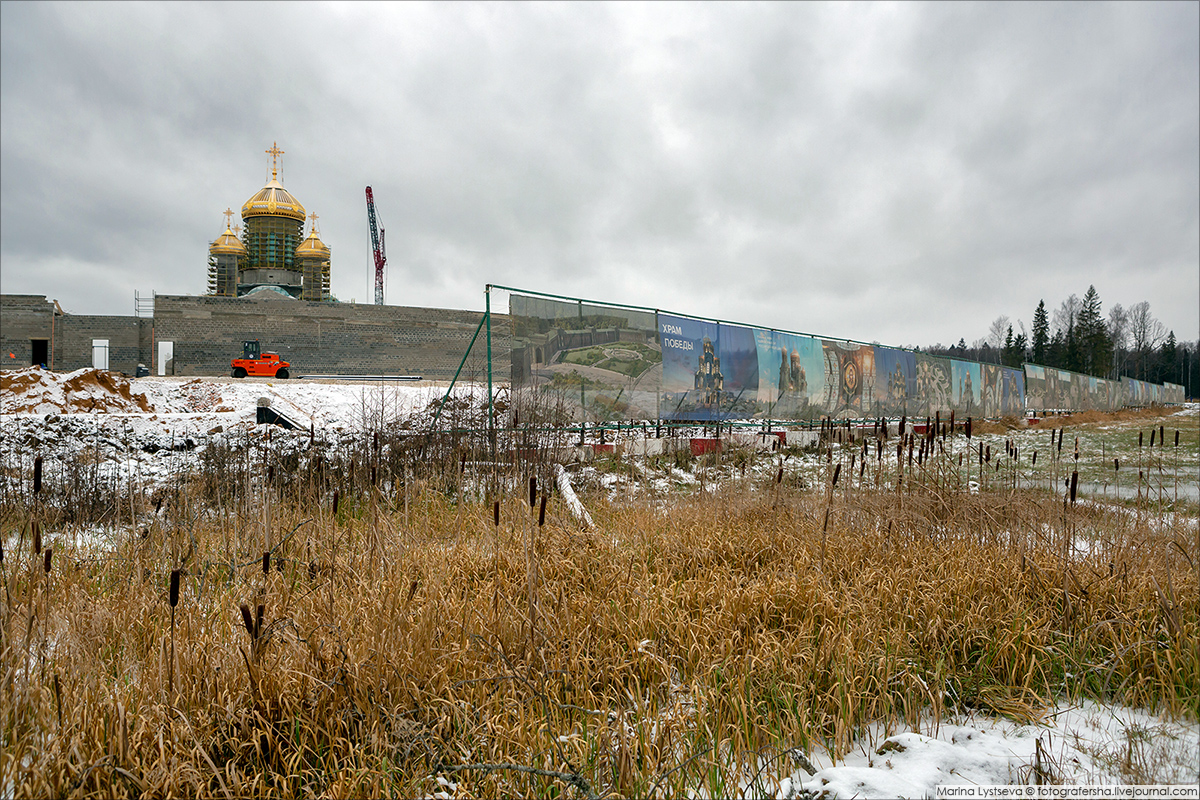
{"x": 791, "y": 372}
{"x": 895, "y": 383}
{"x": 709, "y": 370}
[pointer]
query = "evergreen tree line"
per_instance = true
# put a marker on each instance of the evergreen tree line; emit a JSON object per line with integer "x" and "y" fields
{"x": 1078, "y": 336}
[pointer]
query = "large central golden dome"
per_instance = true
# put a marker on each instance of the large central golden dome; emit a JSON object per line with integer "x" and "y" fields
{"x": 273, "y": 201}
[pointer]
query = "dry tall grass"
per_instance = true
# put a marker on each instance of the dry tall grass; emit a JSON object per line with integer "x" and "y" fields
{"x": 407, "y": 638}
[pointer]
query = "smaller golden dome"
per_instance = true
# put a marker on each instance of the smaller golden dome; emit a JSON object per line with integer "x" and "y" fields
{"x": 313, "y": 247}
{"x": 227, "y": 244}
{"x": 273, "y": 201}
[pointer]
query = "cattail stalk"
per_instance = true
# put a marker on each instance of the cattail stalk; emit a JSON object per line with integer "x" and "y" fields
{"x": 173, "y": 599}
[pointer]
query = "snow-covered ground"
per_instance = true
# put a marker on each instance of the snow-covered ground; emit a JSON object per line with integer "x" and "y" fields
{"x": 1088, "y": 744}
{"x": 148, "y": 427}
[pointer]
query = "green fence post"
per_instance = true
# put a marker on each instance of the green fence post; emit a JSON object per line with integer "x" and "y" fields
{"x": 457, "y": 372}
{"x": 487, "y": 315}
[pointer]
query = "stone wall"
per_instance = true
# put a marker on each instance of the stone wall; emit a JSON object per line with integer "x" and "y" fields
{"x": 325, "y": 338}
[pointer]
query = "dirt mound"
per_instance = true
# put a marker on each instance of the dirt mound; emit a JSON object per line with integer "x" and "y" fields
{"x": 199, "y": 397}
{"x": 37, "y": 391}
{"x": 1124, "y": 415}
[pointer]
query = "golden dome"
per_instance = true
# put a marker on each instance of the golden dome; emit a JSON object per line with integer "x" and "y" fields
{"x": 227, "y": 244}
{"x": 273, "y": 201}
{"x": 313, "y": 247}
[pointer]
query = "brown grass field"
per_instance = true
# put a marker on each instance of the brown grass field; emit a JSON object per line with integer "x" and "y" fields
{"x": 394, "y": 634}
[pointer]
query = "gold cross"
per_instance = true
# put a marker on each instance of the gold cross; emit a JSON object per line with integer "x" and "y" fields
{"x": 313, "y": 218}
{"x": 237, "y": 230}
{"x": 228, "y": 216}
{"x": 274, "y": 153}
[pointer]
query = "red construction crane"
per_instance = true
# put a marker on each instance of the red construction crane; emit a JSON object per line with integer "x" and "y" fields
{"x": 377, "y": 245}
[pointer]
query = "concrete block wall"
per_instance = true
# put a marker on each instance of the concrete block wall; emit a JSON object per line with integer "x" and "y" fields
{"x": 124, "y": 335}
{"x": 337, "y": 338}
{"x": 24, "y": 317}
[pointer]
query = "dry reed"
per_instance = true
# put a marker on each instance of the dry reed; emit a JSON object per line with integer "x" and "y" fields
{"x": 419, "y": 630}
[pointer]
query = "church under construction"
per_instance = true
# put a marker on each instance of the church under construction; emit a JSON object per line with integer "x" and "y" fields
{"x": 272, "y": 254}
{"x": 266, "y": 281}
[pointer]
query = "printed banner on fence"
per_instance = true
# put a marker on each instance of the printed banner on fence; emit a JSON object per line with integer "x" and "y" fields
{"x": 612, "y": 363}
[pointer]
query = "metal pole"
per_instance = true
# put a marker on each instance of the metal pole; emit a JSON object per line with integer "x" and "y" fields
{"x": 457, "y": 372}
{"x": 487, "y": 296}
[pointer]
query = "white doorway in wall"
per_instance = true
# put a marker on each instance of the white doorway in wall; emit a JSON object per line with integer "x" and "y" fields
{"x": 166, "y": 358}
{"x": 99, "y": 353}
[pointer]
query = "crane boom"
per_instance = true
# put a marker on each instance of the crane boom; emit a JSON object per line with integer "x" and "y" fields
{"x": 377, "y": 247}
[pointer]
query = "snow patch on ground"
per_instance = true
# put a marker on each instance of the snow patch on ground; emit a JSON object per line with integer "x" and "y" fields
{"x": 1088, "y": 743}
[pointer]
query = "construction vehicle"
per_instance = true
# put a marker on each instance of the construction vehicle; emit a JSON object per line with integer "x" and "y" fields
{"x": 259, "y": 364}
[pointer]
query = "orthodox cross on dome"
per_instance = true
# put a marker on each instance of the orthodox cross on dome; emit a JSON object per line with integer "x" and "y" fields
{"x": 274, "y": 152}
{"x": 228, "y": 216}
{"x": 313, "y": 218}
{"x": 237, "y": 230}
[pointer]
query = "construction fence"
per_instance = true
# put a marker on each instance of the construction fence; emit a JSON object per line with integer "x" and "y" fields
{"x": 607, "y": 362}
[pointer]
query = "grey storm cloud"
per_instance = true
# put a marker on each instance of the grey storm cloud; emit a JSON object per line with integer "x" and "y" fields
{"x": 901, "y": 173}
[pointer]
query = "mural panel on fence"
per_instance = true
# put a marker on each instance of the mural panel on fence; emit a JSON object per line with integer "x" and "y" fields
{"x": 791, "y": 372}
{"x": 709, "y": 370}
{"x": 610, "y": 363}
{"x": 605, "y": 361}
{"x": 1143, "y": 393}
{"x": 895, "y": 382}
{"x": 934, "y": 385}
{"x": 1049, "y": 389}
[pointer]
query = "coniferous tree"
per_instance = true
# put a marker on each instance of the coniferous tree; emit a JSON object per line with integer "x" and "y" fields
{"x": 1056, "y": 351}
{"x": 1009, "y": 356}
{"x": 1094, "y": 346}
{"x": 1167, "y": 356}
{"x": 1041, "y": 334}
{"x": 1072, "y": 352}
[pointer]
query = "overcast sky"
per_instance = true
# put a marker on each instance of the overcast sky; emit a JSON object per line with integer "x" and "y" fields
{"x": 898, "y": 173}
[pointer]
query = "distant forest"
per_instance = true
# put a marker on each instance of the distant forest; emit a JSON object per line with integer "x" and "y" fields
{"x": 1078, "y": 336}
